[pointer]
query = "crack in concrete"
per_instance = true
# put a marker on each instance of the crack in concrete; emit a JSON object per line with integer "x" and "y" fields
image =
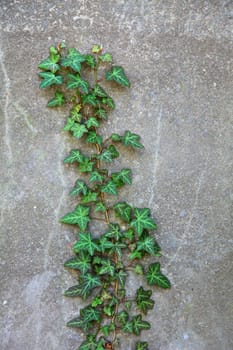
{"x": 6, "y": 105}
{"x": 156, "y": 162}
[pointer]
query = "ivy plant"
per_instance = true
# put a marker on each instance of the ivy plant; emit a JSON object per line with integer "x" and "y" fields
{"x": 102, "y": 260}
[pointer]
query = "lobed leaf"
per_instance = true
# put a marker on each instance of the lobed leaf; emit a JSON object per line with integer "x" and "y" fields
{"x": 123, "y": 211}
{"x": 139, "y": 324}
{"x": 74, "y": 156}
{"x": 109, "y": 187}
{"x": 142, "y": 345}
{"x": 142, "y": 220}
{"x": 80, "y": 217}
{"x": 85, "y": 243}
{"x": 118, "y": 75}
{"x": 73, "y": 60}
{"x": 82, "y": 262}
{"x": 155, "y": 277}
{"x": 58, "y": 100}
{"x": 130, "y": 139}
{"x": 49, "y": 79}
{"x": 80, "y": 187}
{"x": 76, "y": 82}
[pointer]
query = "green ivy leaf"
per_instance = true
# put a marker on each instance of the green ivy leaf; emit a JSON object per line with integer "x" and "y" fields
{"x": 73, "y": 60}
{"x": 80, "y": 217}
{"x": 92, "y": 137}
{"x": 95, "y": 176}
{"x": 73, "y": 291}
{"x": 149, "y": 245}
{"x": 143, "y": 301}
{"x": 76, "y": 82}
{"x": 109, "y": 187}
{"x": 69, "y": 124}
{"x": 74, "y": 113}
{"x": 122, "y": 317}
{"x": 51, "y": 63}
{"x": 113, "y": 231}
{"x": 125, "y": 175}
{"x": 49, "y": 79}
{"x": 108, "y": 101}
{"x": 142, "y": 220}
{"x": 130, "y": 139}
{"x": 90, "y": 313}
{"x": 74, "y": 156}
{"x": 100, "y": 207}
{"x": 121, "y": 276}
{"x": 139, "y": 324}
{"x": 92, "y": 122}
{"x": 142, "y": 345}
{"x": 80, "y": 187}
{"x": 89, "y": 197}
{"x": 118, "y": 75}
{"x": 85, "y": 243}
{"x": 106, "y": 268}
{"x": 86, "y": 166}
{"x": 108, "y": 154}
{"x": 96, "y": 49}
{"x": 82, "y": 262}
{"x": 116, "y": 138}
{"x": 58, "y": 100}
{"x": 89, "y": 282}
{"x": 155, "y": 277}
{"x": 78, "y": 130}
{"x": 107, "y": 57}
{"x": 88, "y": 344}
{"x": 101, "y": 114}
{"x": 90, "y": 99}
{"x": 90, "y": 60}
{"x": 105, "y": 244}
{"x": 123, "y": 211}
{"x": 99, "y": 91}
{"x": 128, "y": 327}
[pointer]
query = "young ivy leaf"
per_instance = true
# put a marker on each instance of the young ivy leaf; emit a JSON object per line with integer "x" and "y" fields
{"x": 118, "y": 75}
{"x": 114, "y": 231}
{"x": 109, "y": 154}
{"x": 95, "y": 176}
{"x": 142, "y": 345}
{"x": 82, "y": 262}
{"x": 130, "y": 139}
{"x": 101, "y": 114}
{"x": 92, "y": 137}
{"x": 108, "y": 102}
{"x": 49, "y": 79}
{"x": 85, "y": 243}
{"x": 89, "y": 197}
{"x": 143, "y": 301}
{"x": 80, "y": 217}
{"x": 100, "y": 207}
{"x": 125, "y": 175}
{"x": 109, "y": 187}
{"x": 76, "y": 82}
{"x": 123, "y": 211}
{"x": 139, "y": 324}
{"x": 86, "y": 166}
{"x": 107, "y": 57}
{"x": 58, "y": 100}
{"x": 122, "y": 317}
{"x": 78, "y": 130}
{"x": 155, "y": 277}
{"x": 106, "y": 268}
{"x": 73, "y": 60}
{"x": 92, "y": 122}
{"x": 74, "y": 156}
{"x": 90, "y": 99}
{"x": 88, "y": 344}
{"x": 90, "y": 60}
{"x": 99, "y": 91}
{"x": 51, "y": 63}
{"x": 148, "y": 245}
{"x": 142, "y": 220}
{"x": 80, "y": 187}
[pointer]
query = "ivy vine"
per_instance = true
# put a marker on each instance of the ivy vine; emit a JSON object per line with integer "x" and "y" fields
{"x": 102, "y": 261}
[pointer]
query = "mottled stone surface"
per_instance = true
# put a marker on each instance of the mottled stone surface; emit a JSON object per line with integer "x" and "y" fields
{"x": 178, "y": 56}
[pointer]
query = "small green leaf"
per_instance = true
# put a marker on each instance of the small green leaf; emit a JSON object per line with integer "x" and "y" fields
{"x": 74, "y": 156}
{"x": 128, "y": 327}
{"x": 86, "y": 166}
{"x": 118, "y": 75}
{"x": 90, "y": 99}
{"x": 96, "y": 49}
{"x": 123, "y": 317}
{"x": 107, "y": 57}
{"x": 51, "y": 63}
{"x": 73, "y": 60}
{"x": 58, "y": 100}
{"x": 108, "y": 101}
{"x": 149, "y": 245}
{"x": 73, "y": 292}
{"x": 99, "y": 91}
{"x": 142, "y": 220}
{"x": 108, "y": 154}
{"x": 123, "y": 211}
{"x": 106, "y": 268}
{"x": 130, "y": 139}
{"x": 90, "y": 60}
{"x": 116, "y": 138}
{"x": 144, "y": 303}
{"x": 121, "y": 275}
{"x": 138, "y": 269}
{"x": 96, "y": 301}
{"x": 81, "y": 262}
{"x": 109, "y": 188}
{"x": 78, "y": 130}
{"x": 100, "y": 207}
{"x": 69, "y": 124}
{"x": 92, "y": 137}
{"x": 139, "y": 324}
{"x": 80, "y": 187}
{"x": 142, "y": 345}
{"x": 85, "y": 243}
{"x": 101, "y": 114}
{"x": 92, "y": 122}
{"x": 95, "y": 176}
{"x": 80, "y": 217}
{"x": 90, "y": 313}
{"x": 105, "y": 244}
{"x": 49, "y": 79}
{"x": 125, "y": 176}
{"x": 113, "y": 231}
{"x": 89, "y": 282}
{"x": 76, "y": 82}
{"x": 155, "y": 277}
{"x": 74, "y": 113}
{"x": 89, "y": 197}
{"x": 88, "y": 344}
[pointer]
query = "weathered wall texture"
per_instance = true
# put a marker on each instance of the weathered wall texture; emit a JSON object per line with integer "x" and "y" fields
{"x": 178, "y": 56}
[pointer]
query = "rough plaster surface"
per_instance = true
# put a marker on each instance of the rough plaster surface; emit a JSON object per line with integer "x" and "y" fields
{"x": 178, "y": 55}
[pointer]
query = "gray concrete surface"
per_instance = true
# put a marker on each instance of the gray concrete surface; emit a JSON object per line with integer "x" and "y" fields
{"x": 178, "y": 55}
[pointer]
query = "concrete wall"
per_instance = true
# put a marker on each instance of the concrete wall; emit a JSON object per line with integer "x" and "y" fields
{"x": 178, "y": 56}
